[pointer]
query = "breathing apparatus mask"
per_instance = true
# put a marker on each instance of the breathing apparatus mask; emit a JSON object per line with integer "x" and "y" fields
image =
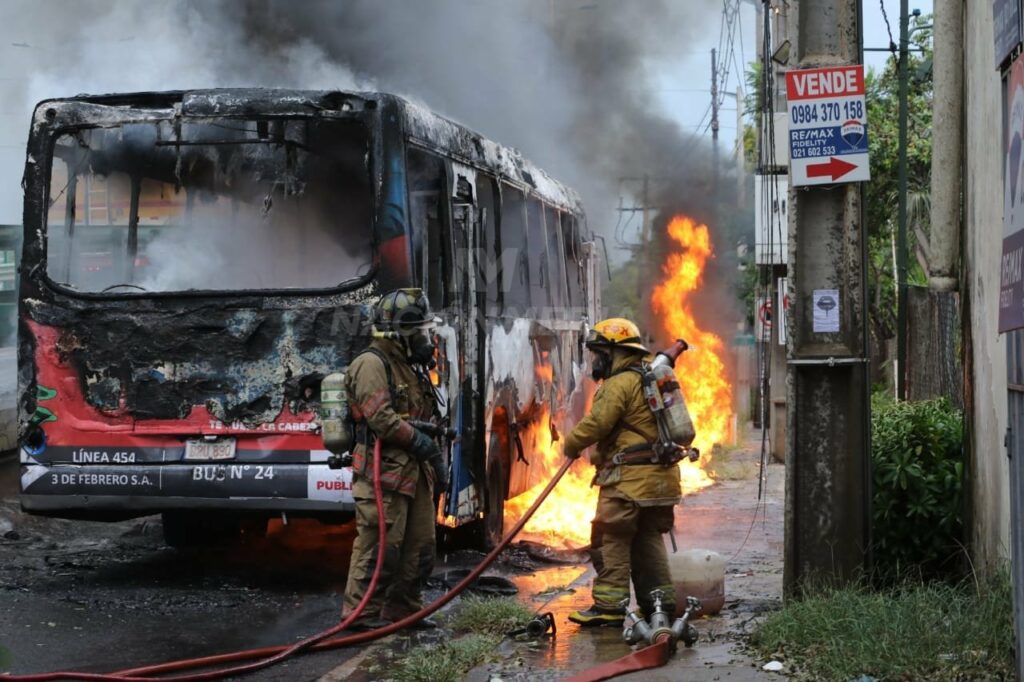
{"x": 600, "y": 364}
{"x": 420, "y": 346}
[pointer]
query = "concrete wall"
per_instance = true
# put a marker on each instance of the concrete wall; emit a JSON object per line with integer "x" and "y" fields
{"x": 983, "y": 215}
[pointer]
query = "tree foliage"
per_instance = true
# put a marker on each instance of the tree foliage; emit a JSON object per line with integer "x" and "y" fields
{"x": 882, "y": 193}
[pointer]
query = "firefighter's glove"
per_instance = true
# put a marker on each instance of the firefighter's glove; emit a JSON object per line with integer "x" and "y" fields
{"x": 440, "y": 468}
{"x": 423, "y": 447}
{"x": 571, "y": 452}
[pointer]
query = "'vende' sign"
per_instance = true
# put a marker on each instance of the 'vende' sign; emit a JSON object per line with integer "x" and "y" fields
{"x": 828, "y": 126}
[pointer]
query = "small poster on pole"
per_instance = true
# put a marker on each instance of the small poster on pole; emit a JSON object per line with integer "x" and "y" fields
{"x": 826, "y": 311}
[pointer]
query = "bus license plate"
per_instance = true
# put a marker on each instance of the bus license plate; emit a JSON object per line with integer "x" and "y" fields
{"x": 207, "y": 450}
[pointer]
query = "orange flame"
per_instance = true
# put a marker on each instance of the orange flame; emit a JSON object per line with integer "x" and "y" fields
{"x": 564, "y": 518}
{"x": 545, "y": 373}
{"x": 700, "y": 370}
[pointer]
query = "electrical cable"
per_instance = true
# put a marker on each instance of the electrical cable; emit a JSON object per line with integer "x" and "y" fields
{"x": 888, "y": 28}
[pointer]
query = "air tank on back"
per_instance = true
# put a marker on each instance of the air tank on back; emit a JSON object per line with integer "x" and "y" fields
{"x": 676, "y": 415}
{"x": 334, "y": 414}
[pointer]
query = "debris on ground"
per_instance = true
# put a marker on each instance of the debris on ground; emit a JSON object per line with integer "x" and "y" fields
{"x": 553, "y": 555}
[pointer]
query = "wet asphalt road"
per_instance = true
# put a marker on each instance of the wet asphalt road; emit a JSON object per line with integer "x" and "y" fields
{"x": 100, "y": 597}
{"x": 104, "y": 597}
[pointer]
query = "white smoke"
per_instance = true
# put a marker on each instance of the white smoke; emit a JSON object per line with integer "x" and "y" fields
{"x": 566, "y": 82}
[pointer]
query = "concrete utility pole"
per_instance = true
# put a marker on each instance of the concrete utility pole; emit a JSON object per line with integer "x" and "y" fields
{"x": 827, "y": 444}
{"x": 714, "y": 123}
{"x": 947, "y": 148}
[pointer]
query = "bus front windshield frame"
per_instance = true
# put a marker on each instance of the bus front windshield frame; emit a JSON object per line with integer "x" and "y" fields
{"x": 219, "y": 205}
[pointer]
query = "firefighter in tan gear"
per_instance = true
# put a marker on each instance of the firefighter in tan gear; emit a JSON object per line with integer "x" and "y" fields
{"x": 389, "y": 387}
{"x": 636, "y": 499}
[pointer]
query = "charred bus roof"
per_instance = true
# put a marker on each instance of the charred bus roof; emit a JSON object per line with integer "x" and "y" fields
{"x": 419, "y": 124}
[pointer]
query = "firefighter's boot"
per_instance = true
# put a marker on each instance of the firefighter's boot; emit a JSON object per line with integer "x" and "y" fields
{"x": 596, "y": 616}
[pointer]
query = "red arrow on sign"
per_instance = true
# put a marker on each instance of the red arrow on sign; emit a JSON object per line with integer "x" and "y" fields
{"x": 835, "y": 168}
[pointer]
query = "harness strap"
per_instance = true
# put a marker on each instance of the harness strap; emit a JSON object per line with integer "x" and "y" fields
{"x": 364, "y": 433}
{"x": 647, "y": 454}
{"x": 644, "y": 456}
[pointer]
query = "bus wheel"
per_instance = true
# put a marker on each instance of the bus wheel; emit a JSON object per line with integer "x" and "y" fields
{"x": 497, "y": 488}
{"x": 200, "y": 529}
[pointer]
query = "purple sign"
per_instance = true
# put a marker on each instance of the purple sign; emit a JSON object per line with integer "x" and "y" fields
{"x": 1011, "y": 281}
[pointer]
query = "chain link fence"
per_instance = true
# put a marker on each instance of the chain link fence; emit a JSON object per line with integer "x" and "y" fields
{"x": 934, "y": 346}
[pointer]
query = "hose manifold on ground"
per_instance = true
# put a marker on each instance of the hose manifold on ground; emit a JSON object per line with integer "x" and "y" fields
{"x": 659, "y": 627}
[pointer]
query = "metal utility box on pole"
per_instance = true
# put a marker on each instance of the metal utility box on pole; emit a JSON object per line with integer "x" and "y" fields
{"x": 827, "y": 534}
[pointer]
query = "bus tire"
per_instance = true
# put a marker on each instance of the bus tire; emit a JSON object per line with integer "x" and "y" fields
{"x": 183, "y": 529}
{"x": 497, "y": 489}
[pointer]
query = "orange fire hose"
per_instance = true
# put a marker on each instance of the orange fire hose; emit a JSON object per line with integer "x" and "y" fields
{"x": 318, "y": 642}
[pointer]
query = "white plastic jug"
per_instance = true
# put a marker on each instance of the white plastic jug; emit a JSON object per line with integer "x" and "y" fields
{"x": 698, "y": 573}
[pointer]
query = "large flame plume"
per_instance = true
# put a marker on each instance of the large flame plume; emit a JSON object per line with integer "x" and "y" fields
{"x": 564, "y": 518}
{"x": 701, "y": 370}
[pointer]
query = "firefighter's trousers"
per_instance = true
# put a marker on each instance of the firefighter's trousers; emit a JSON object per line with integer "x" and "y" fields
{"x": 626, "y": 542}
{"x": 408, "y": 557}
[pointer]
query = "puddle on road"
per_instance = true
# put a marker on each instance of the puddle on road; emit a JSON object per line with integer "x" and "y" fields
{"x": 561, "y": 590}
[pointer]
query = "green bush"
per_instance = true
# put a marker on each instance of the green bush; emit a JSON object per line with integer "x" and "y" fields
{"x": 918, "y": 464}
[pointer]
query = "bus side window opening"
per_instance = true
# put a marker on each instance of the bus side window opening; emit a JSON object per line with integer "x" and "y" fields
{"x": 540, "y": 286}
{"x": 426, "y": 182}
{"x": 574, "y": 265}
{"x": 515, "y": 284}
{"x": 488, "y": 260}
{"x": 556, "y": 263}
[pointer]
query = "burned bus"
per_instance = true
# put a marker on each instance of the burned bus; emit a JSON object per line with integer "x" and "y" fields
{"x": 194, "y": 263}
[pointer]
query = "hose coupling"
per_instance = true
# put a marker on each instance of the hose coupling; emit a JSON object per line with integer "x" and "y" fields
{"x": 659, "y": 627}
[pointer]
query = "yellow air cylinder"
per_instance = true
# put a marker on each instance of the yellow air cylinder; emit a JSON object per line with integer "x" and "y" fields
{"x": 334, "y": 414}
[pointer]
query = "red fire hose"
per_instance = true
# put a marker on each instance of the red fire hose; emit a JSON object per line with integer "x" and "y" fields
{"x": 318, "y": 642}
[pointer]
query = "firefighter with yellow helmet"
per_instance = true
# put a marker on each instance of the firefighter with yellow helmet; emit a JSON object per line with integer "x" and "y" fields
{"x": 636, "y": 502}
